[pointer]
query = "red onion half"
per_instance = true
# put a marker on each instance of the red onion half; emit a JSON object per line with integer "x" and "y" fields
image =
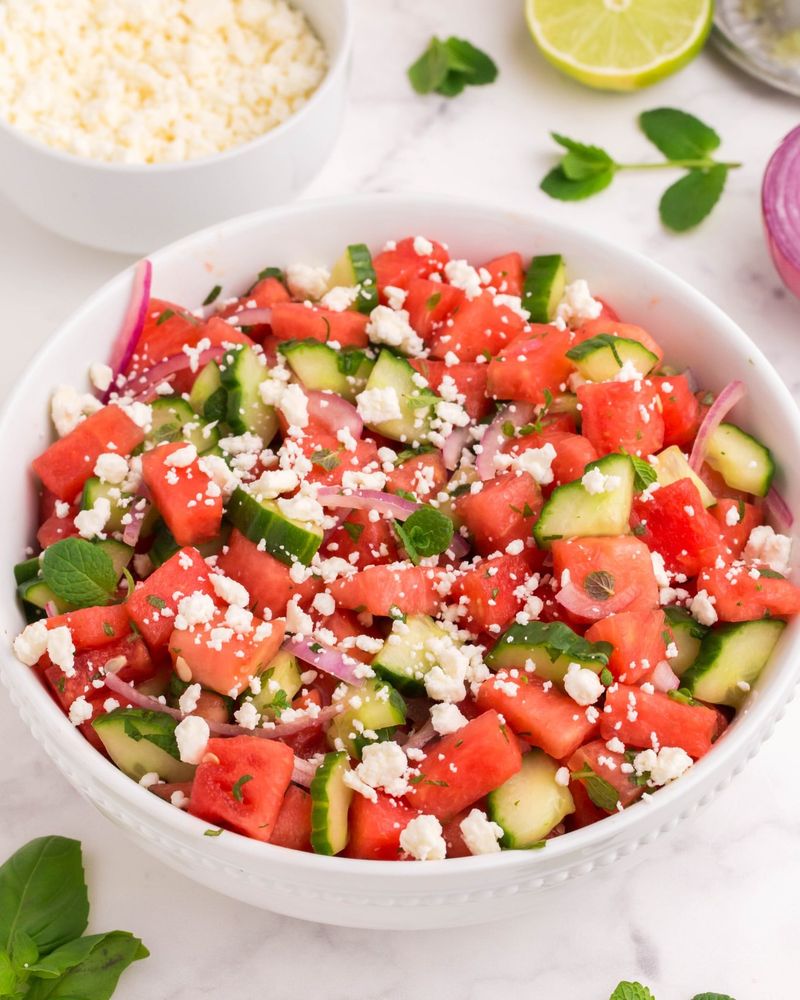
{"x": 250, "y": 317}
{"x": 384, "y": 503}
{"x": 493, "y": 440}
{"x": 733, "y": 393}
{"x": 327, "y": 659}
{"x": 333, "y": 412}
{"x": 778, "y": 510}
{"x": 576, "y": 600}
{"x": 132, "y": 323}
{"x": 780, "y": 207}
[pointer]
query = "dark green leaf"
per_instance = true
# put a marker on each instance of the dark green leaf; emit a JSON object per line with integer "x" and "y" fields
{"x": 163, "y": 740}
{"x": 43, "y": 893}
{"x": 24, "y": 951}
{"x": 349, "y": 361}
{"x": 272, "y": 272}
{"x": 213, "y": 295}
{"x": 216, "y": 406}
{"x": 87, "y": 969}
{"x": 558, "y": 185}
{"x": 599, "y": 585}
{"x": 600, "y": 791}
{"x": 678, "y": 135}
{"x": 712, "y": 996}
{"x": 8, "y": 975}
{"x": 236, "y": 791}
{"x": 631, "y": 991}
{"x": 644, "y": 474}
{"x": 447, "y": 67}
{"x": 79, "y": 573}
{"x": 472, "y": 63}
{"x": 582, "y": 161}
{"x": 688, "y": 201}
{"x": 557, "y": 639}
{"x": 428, "y": 73}
{"x": 164, "y": 316}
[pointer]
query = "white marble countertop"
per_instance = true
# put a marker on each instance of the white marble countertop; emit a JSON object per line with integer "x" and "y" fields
{"x": 714, "y": 906}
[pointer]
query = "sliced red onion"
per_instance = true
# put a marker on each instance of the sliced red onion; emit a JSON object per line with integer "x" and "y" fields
{"x": 781, "y": 209}
{"x": 132, "y": 323}
{"x": 50, "y": 609}
{"x": 138, "y": 511}
{"x": 576, "y": 600}
{"x": 118, "y": 686}
{"x": 334, "y": 412}
{"x": 385, "y": 503}
{"x": 327, "y": 659}
{"x": 663, "y": 677}
{"x": 455, "y": 443}
{"x": 778, "y": 510}
{"x": 517, "y": 414}
{"x": 733, "y": 393}
{"x": 250, "y": 317}
{"x": 304, "y": 771}
{"x": 420, "y": 737}
{"x": 458, "y": 548}
{"x": 144, "y": 386}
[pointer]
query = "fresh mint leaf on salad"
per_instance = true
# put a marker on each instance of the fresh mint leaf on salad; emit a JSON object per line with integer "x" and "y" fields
{"x": 631, "y": 991}
{"x": 686, "y": 143}
{"x": 44, "y": 910}
{"x": 447, "y": 67}
{"x": 644, "y": 474}
{"x": 80, "y": 573}
{"x": 427, "y": 532}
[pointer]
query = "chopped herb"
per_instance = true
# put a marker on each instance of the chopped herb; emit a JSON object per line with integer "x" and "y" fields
{"x": 108, "y": 629}
{"x": 213, "y": 295}
{"x": 165, "y": 315}
{"x": 644, "y": 474}
{"x": 280, "y": 702}
{"x": 236, "y": 791}
{"x": 272, "y": 272}
{"x": 427, "y": 532}
{"x": 639, "y": 530}
{"x": 433, "y": 301}
{"x": 349, "y": 361}
{"x": 353, "y": 530}
{"x": 599, "y": 585}
{"x": 212, "y": 833}
{"x": 771, "y": 574}
{"x": 326, "y": 459}
{"x": 600, "y": 791}
{"x": 606, "y": 677}
{"x": 460, "y": 490}
{"x": 156, "y": 602}
{"x": 683, "y": 696}
{"x": 397, "y": 614}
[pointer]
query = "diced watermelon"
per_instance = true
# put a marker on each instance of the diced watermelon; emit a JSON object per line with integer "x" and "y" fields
{"x": 636, "y": 717}
{"x": 624, "y": 558}
{"x": 453, "y": 837}
{"x": 674, "y": 522}
{"x": 506, "y": 274}
{"x": 92, "y": 628}
{"x": 382, "y": 590}
{"x": 311, "y": 741}
{"x": 374, "y": 541}
{"x": 89, "y": 668}
{"x": 345, "y": 626}
{"x": 487, "y": 590}
{"x": 461, "y": 768}
{"x": 606, "y": 764}
{"x": 167, "y": 327}
{"x": 622, "y": 416}
{"x": 423, "y": 475}
{"x": 296, "y": 321}
{"x": 397, "y": 267}
{"x": 429, "y": 303}
{"x": 610, "y": 324}
{"x": 639, "y": 642}
{"x": 586, "y": 812}
{"x": 504, "y": 511}
{"x": 477, "y": 329}
{"x": 375, "y": 827}
{"x": 680, "y": 409}
{"x": 55, "y": 528}
{"x": 746, "y": 517}
{"x": 293, "y": 826}
{"x": 183, "y": 574}
{"x": 66, "y": 465}
{"x": 192, "y": 510}
{"x": 531, "y": 366}
{"x": 543, "y": 716}
{"x": 573, "y": 453}
{"x": 264, "y": 294}
{"x": 240, "y": 785}
{"x": 742, "y": 594}
{"x": 470, "y": 381}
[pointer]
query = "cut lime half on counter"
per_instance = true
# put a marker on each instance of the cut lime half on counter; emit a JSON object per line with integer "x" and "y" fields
{"x": 619, "y": 44}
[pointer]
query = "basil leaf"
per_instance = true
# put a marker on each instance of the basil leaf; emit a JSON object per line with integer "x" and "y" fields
{"x": 79, "y": 573}
{"x": 23, "y": 950}
{"x": 631, "y": 991}
{"x": 557, "y": 185}
{"x": 43, "y": 893}
{"x": 688, "y": 201}
{"x": 88, "y": 968}
{"x": 679, "y": 136}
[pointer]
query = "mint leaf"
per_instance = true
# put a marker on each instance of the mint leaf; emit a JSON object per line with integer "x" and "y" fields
{"x": 325, "y": 459}
{"x": 349, "y": 361}
{"x": 679, "y": 136}
{"x": 631, "y": 991}
{"x": 644, "y": 474}
{"x": 448, "y": 67}
{"x": 79, "y": 573}
{"x": 353, "y": 530}
{"x": 43, "y": 893}
{"x": 582, "y": 161}
{"x": 712, "y": 996}
{"x": 599, "y": 585}
{"x": 600, "y": 791}
{"x": 557, "y": 185}
{"x": 89, "y": 967}
{"x": 426, "y": 533}
{"x": 429, "y": 72}
{"x": 688, "y": 201}
{"x": 473, "y": 64}
{"x": 556, "y": 638}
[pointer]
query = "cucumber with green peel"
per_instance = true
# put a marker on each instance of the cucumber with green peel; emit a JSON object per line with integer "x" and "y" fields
{"x": 731, "y": 659}
{"x": 94, "y": 489}
{"x": 551, "y": 647}
{"x": 354, "y": 270}
{"x": 573, "y": 512}
{"x": 164, "y": 545}
{"x": 600, "y": 358}
{"x": 368, "y": 709}
{"x": 405, "y": 659}
{"x": 208, "y": 397}
{"x": 672, "y": 465}
{"x": 743, "y": 462}
{"x": 35, "y": 593}
{"x": 242, "y": 372}
{"x": 330, "y": 805}
{"x": 416, "y": 405}
{"x": 27, "y": 570}
{"x": 531, "y": 803}
{"x": 544, "y": 285}
{"x": 687, "y": 634}
{"x": 119, "y": 553}
{"x": 280, "y": 682}
{"x": 320, "y": 367}
{"x": 173, "y": 419}
{"x": 283, "y": 537}
{"x": 142, "y": 742}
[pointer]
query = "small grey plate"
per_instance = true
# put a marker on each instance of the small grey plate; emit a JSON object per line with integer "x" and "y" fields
{"x": 748, "y": 32}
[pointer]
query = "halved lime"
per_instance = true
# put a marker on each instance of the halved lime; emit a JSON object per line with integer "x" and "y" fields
{"x": 619, "y": 44}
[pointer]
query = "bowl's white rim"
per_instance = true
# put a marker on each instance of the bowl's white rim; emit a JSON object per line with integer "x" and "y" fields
{"x": 336, "y": 67}
{"x": 752, "y": 726}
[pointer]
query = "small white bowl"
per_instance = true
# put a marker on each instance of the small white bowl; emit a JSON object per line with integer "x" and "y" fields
{"x": 135, "y": 208}
{"x": 380, "y": 894}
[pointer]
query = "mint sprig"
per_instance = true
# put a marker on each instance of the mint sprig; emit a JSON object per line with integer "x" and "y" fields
{"x": 631, "y": 991}
{"x": 687, "y": 144}
{"x": 447, "y": 67}
{"x": 80, "y": 573}
{"x": 426, "y": 533}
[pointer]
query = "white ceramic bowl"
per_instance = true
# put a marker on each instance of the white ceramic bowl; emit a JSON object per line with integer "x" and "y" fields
{"x": 135, "y": 208}
{"x": 387, "y": 894}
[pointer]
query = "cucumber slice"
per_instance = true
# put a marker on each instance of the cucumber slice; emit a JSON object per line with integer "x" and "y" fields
{"x": 262, "y": 521}
{"x": 164, "y": 545}
{"x": 600, "y": 358}
{"x": 416, "y": 405}
{"x": 37, "y": 594}
{"x": 530, "y": 804}
{"x": 330, "y": 804}
{"x": 551, "y": 647}
{"x": 94, "y": 489}
{"x": 375, "y": 706}
{"x": 280, "y": 682}
{"x": 119, "y": 553}
{"x": 671, "y": 465}
{"x": 743, "y": 462}
{"x": 175, "y": 420}
{"x": 27, "y": 570}
{"x": 354, "y": 268}
{"x": 242, "y": 373}
{"x": 140, "y": 742}
{"x": 544, "y": 287}
{"x": 573, "y": 512}
{"x": 405, "y": 659}
{"x": 731, "y": 655}
{"x": 209, "y": 398}
{"x": 320, "y": 367}
{"x": 687, "y": 634}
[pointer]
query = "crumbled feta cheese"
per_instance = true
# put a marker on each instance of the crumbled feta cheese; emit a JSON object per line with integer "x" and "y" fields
{"x": 423, "y": 839}
{"x": 229, "y": 590}
{"x": 447, "y": 718}
{"x": 219, "y": 472}
{"x": 582, "y": 685}
{"x": 195, "y": 609}
{"x": 391, "y": 326}
{"x": 577, "y": 304}
{"x": 187, "y": 702}
{"x": 339, "y": 298}
{"x": 294, "y": 406}
{"x": 481, "y": 835}
{"x": 182, "y": 457}
{"x": 80, "y": 711}
{"x": 384, "y": 765}
{"x": 595, "y": 483}
{"x": 537, "y": 462}
{"x": 307, "y": 282}
{"x": 663, "y": 765}
{"x": 297, "y": 621}
{"x": 732, "y": 517}
{"x": 464, "y": 276}
{"x": 302, "y": 507}
{"x": 100, "y": 375}
{"x": 31, "y": 644}
{"x": 191, "y": 735}
{"x": 90, "y": 523}
{"x": 150, "y": 779}
{"x": 660, "y": 569}
{"x": 376, "y": 406}
{"x": 422, "y": 246}
{"x": 765, "y": 546}
{"x": 179, "y": 799}
{"x": 395, "y": 297}
{"x": 628, "y": 373}
{"x": 563, "y": 777}
{"x": 68, "y": 407}
{"x": 247, "y": 715}
{"x": 140, "y": 413}
{"x": 702, "y": 608}
{"x": 111, "y": 468}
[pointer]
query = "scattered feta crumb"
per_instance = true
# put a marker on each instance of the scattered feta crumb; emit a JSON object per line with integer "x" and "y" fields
{"x": 307, "y": 282}
{"x": 765, "y": 546}
{"x": 423, "y": 839}
{"x": 192, "y": 735}
{"x": 90, "y": 523}
{"x": 595, "y": 483}
{"x": 80, "y": 711}
{"x": 447, "y": 718}
{"x": 481, "y": 835}
{"x": 702, "y": 608}
{"x": 376, "y": 406}
{"x": 582, "y": 685}
{"x": 100, "y": 375}
{"x": 577, "y": 304}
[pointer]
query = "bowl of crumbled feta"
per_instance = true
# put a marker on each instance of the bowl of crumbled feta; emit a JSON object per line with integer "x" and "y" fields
{"x": 577, "y": 282}
{"x": 125, "y": 125}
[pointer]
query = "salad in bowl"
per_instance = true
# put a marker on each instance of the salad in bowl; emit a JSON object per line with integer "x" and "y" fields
{"x": 411, "y": 558}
